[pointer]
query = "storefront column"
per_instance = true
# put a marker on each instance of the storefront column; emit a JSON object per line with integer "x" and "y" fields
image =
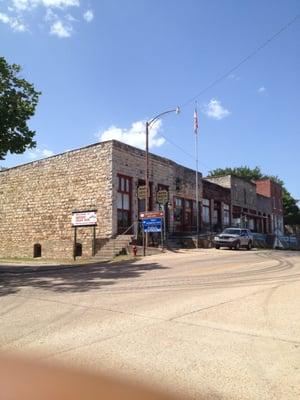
{"x": 222, "y": 215}
{"x": 212, "y": 208}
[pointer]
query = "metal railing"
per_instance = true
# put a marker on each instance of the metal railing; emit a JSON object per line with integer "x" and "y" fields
{"x": 129, "y": 228}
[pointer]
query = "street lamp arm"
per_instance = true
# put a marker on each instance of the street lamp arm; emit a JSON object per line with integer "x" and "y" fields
{"x": 177, "y": 110}
{"x": 148, "y": 124}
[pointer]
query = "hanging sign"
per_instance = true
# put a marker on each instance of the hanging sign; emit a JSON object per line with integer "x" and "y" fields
{"x": 141, "y": 192}
{"x": 162, "y": 196}
{"x": 85, "y": 218}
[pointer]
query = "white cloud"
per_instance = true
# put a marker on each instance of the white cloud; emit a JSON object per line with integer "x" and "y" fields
{"x": 135, "y": 135}
{"x": 88, "y": 15}
{"x": 70, "y": 18}
{"x": 215, "y": 110}
{"x": 262, "y": 89}
{"x": 15, "y": 23}
{"x": 50, "y": 15}
{"x": 59, "y": 25}
{"x": 22, "y": 5}
{"x": 37, "y": 154}
{"x": 58, "y": 28}
{"x": 4, "y": 18}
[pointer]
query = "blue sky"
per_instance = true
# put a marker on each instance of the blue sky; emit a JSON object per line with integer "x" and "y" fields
{"x": 104, "y": 67}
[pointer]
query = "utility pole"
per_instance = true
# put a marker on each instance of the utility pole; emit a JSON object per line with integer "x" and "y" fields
{"x": 148, "y": 125}
{"x": 147, "y": 184}
{"x": 197, "y": 183}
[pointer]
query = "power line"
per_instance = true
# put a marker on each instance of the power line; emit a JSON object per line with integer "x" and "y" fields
{"x": 177, "y": 146}
{"x": 243, "y": 61}
{"x": 182, "y": 149}
{"x": 226, "y": 74}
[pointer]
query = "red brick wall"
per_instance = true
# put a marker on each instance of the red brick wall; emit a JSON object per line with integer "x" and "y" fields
{"x": 269, "y": 188}
{"x": 264, "y": 187}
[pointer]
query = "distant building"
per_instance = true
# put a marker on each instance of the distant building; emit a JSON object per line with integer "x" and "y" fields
{"x": 272, "y": 190}
{"x": 254, "y": 205}
{"x": 216, "y": 207}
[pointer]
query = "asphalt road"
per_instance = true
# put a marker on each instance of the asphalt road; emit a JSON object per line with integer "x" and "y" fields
{"x": 221, "y": 323}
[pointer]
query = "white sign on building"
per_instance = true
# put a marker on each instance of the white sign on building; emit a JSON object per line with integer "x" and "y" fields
{"x": 85, "y": 218}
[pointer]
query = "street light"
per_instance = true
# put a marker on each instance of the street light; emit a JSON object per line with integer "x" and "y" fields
{"x": 148, "y": 125}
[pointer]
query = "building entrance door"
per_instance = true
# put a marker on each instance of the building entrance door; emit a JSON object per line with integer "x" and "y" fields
{"x": 188, "y": 215}
{"x": 178, "y": 215}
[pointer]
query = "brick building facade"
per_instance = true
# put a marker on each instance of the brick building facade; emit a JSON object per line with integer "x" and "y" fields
{"x": 272, "y": 190}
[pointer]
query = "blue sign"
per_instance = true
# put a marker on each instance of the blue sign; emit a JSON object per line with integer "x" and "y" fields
{"x": 152, "y": 224}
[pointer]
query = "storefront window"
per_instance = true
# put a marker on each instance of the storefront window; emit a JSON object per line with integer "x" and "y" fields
{"x": 226, "y": 215}
{"x": 178, "y": 211}
{"x": 251, "y": 224}
{"x": 124, "y": 203}
{"x": 206, "y": 211}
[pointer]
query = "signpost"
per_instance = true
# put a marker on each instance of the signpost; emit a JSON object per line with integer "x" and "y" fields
{"x": 81, "y": 219}
{"x": 162, "y": 197}
{"x": 152, "y": 221}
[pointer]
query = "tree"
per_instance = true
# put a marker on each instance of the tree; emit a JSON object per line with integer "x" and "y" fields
{"x": 291, "y": 211}
{"x": 18, "y": 101}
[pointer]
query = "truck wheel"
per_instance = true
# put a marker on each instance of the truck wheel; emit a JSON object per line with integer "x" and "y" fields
{"x": 249, "y": 247}
{"x": 217, "y": 246}
{"x": 237, "y": 246}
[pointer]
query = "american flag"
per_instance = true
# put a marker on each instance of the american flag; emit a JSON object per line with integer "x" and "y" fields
{"x": 195, "y": 121}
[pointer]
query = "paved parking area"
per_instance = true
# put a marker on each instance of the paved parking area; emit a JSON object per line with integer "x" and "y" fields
{"x": 221, "y": 323}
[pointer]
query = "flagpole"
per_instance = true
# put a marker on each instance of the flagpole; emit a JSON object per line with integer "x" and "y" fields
{"x": 197, "y": 183}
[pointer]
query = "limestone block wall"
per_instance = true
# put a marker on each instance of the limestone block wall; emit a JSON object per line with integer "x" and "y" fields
{"x": 37, "y": 200}
{"x": 130, "y": 161}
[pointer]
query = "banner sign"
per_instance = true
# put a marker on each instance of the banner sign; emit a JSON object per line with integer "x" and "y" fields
{"x": 86, "y": 218}
{"x": 152, "y": 224}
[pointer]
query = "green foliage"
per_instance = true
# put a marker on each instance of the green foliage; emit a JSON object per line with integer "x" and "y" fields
{"x": 240, "y": 172}
{"x": 291, "y": 210}
{"x": 18, "y": 101}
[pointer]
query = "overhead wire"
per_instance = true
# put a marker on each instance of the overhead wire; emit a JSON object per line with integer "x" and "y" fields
{"x": 228, "y": 73}
{"x": 243, "y": 61}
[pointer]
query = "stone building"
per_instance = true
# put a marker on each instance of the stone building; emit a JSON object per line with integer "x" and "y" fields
{"x": 251, "y": 202}
{"x": 37, "y": 199}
